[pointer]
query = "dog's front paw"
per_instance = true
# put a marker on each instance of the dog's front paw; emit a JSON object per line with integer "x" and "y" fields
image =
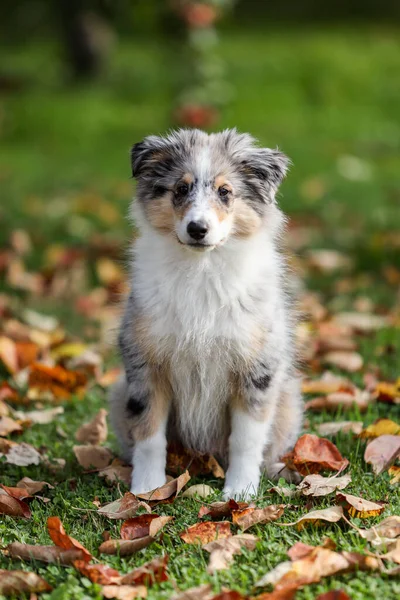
{"x": 147, "y": 483}
{"x": 244, "y": 491}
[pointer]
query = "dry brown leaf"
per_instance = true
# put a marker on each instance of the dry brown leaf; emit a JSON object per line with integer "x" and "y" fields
{"x": 8, "y": 425}
{"x": 394, "y": 553}
{"x": 125, "y": 547}
{"x": 21, "y": 455}
{"x": 223, "y": 550}
{"x": 333, "y": 514}
{"x": 117, "y": 471}
{"x": 202, "y": 490}
{"x": 361, "y": 322}
{"x": 13, "y": 507}
{"x": 54, "y": 382}
{"x": 201, "y": 592}
{"x": 8, "y": 393}
{"x": 62, "y": 540}
{"x": 95, "y": 432}
{"x": 334, "y": 595}
{"x": 319, "y": 563}
{"x": 389, "y": 528}
{"x": 311, "y": 454}
{"x": 359, "y": 507}
{"x": 347, "y": 361}
{"x": 124, "y": 592}
{"x": 168, "y": 491}
{"x": 316, "y": 485}
{"x": 381, "y": 427}
{"x": 47, "y": 554}
{"x": 286, "y": 594}
{"x": 101, "y": 574}
{"x": 344, "y": 400}
{"x": 15, "y": 583}
{"x": 250, "y": 516}
{"x": 33, "y": 487}
{"x": 228, "y": 595}
{"x": 16, "y": 492}
{"x": 40, "y": 417}
{"x": 218, "y": 510}
{"x": 147, "y": 524}
{"x": 154, "y": 571}
{"x": 382, "y": 452}
{"x": 8, "y": 354}
{"x": 93, "y": 457}
{"x": 123, "y": 508}
{"x": 339, "y": 426}
{"x": 203, "y": 533}
{"x": 394, "y": 473}
{"x": 180, "y": 459}
{"x": 327, "y": 384}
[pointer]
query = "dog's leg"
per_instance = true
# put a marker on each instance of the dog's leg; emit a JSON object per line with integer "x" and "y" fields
{"x": 252, "y": 418}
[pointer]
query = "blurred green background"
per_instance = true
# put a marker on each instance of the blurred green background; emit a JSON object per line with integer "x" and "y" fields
{"x": 320, "y": 82}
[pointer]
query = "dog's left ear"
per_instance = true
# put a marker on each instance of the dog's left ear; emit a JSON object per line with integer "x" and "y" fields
{"x": 144, "y": 154}
{"x": 269, "y": 166}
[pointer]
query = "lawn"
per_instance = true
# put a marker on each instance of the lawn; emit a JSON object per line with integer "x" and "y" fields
{"x": 330, "y": 99}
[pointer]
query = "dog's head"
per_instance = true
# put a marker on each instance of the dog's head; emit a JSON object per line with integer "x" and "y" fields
{"x": 204, "y": 189}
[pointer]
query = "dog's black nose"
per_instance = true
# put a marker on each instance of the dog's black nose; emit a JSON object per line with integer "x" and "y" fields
{"x": 197, "y": 230}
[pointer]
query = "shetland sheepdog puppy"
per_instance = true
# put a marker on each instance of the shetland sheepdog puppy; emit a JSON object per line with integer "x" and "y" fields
{"x": 207, "y": 333}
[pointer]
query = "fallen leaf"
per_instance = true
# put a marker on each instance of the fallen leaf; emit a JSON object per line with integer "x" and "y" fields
{"x": 394, "y": 553}
{"x": 311, "y": 454}
{"x": 22, "y": 455}
{"x": 56, "y": 382}
{"x": 339, "y": 426}
{"x": 347, "y": 361}
{"x": 201, "y": 592}
{"x": 286, "y": 594}
{"x": 8, "y": 354}
{"x": 333, "y": 514}
{"x": 143, "y": 525}
{"x": 95, "y": 432}
{"x": 316, "y": 485}
{"x": 388, "y": 528}
{"x": 228, "y": 595}
{"x": 123, "y": 592}
{"x": 123, "y": 508}
{"x": 382, "y": 452}
{"x": 344, "y": 400}
{"x": 16, "y": 492}
{"x": 8, "y": 425}
{"x": 33, "y": 487}
{"x": 40, "y": 417}
{"x": 27, "y": 353}
{"x": 394, "y": 473}
{"x": 47, "y": 554}
{"x": 223, "y": 550}
{"x": 125, "y": 547}
{"x": 381, "y": 427}
{"x": 334, "y": 595}
{"x": 168, "y": 491}
{"x": 15, "y": 583}
{"x": 62, "y": 540}
{"x": 93, "y": 457}
{"x": 217, "y": 510}
{"x": 201, "y": 490}
{"x": 13, "y": 507}
{"x": 359, "y": 507}
{"x": 327, "y": 384}
{"x": 117, "y": 471}
{"x": 154, "y": 571}
{"x": 361, "y": 322}
{"x": 8, "y": 393}
{"x": 203, "y": 533}
{"x": 388, "y": 392}
{"x": 299, "y": 550}
{"x": 180, "y": 459}
{"x": 248, "y": 517}
{"x": 101, "y": 574}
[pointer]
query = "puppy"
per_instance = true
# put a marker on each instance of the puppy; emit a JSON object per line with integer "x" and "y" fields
{"x": 206, "y": 336}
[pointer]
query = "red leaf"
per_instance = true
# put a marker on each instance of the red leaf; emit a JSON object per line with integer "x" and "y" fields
{"x": 311, "y": 454}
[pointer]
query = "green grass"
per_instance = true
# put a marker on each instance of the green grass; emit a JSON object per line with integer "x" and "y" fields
{"x": 319, "y": 95}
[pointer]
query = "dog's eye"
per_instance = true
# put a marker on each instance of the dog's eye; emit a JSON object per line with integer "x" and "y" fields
{"x": 223, "y": 192}
{"x": 182, "y": 189}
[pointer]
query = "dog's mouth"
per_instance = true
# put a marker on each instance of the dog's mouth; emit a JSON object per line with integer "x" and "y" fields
{"x": 197, "y": 247}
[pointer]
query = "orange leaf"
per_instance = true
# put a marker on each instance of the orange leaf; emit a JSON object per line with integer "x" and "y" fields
{"x": 154, "y": 571}
{"x": 359, "y": 507}
{"x": 101, "y": 574}
{"x": 252, "y": 516}
{"x": 57, "y": 381}
{"x": 311, "y": 454}
{"x": 62, "y": 540}
{"x": 204, "y": 533}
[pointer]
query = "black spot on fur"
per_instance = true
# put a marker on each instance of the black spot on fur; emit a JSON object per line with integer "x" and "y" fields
{"x": 136, "y": 405}
{"x": 261, "y": 383}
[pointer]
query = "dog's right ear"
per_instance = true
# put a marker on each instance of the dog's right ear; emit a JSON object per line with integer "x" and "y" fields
{"x": 144, "y": 154}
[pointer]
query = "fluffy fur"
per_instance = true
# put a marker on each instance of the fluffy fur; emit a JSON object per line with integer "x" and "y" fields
{"x": 206, "y": 337}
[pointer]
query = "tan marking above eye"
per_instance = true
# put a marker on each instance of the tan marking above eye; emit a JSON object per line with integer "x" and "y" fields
{"x": 187, "y": 178}
{"x": 221, "y": 181}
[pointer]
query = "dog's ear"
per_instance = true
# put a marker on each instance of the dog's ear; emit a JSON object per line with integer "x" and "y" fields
{"x": 267, "y": 165}
{"x": 145, "y": 153}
